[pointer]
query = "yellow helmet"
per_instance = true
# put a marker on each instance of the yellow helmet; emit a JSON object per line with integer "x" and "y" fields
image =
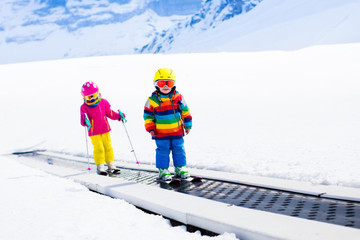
{"x": 165, "y": 73}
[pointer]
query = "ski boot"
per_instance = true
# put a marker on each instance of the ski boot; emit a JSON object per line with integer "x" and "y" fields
{"x": 164, "y": 174}
{"x": 100, "y": 169}
{"x": 181, "y": 172}
{"x": 112, "y": 169}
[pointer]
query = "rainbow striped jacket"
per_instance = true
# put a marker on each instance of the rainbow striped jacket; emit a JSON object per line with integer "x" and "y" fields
{"x": 167, "y": 115}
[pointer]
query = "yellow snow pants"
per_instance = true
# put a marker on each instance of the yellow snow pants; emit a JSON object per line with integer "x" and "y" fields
{"x": 103, "y": 151}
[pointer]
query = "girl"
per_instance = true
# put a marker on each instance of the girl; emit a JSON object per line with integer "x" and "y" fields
{"x": 94, "y": 113}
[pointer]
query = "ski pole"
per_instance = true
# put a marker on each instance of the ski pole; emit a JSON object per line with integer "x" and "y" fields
{"x": 88, "y": 126}
{"x": 123, "y": 120}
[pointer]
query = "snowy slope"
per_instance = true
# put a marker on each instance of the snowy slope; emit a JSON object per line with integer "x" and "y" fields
{"x": 272, "y": 25}
{"x": 290, "y": 115}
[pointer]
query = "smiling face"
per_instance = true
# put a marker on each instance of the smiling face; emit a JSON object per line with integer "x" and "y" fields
{"x": 165, "y": 89}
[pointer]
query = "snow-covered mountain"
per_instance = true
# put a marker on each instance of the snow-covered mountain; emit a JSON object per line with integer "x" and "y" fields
{"x": 272, "y": 25}
{"x": 212, "y": 14}
{"x": 52, "y": 29}
{"x": 49, "y": 29}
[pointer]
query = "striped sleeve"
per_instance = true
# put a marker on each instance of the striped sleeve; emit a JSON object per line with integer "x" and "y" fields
{"x": 186, "y": 116}
{"x": 149, "y": 116}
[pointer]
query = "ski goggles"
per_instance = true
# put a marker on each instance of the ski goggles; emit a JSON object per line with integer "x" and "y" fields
{"x": 91, "y": 98}
{"x": 162, "y": 83}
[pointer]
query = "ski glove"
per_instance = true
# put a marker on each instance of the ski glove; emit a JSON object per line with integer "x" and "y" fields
{"x": 122, "y": 117}
{"x": 87, "y": 122}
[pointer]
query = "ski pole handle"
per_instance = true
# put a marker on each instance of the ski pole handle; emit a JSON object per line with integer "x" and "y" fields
{"x": 87, "y": 122}
{"x": 123, "y": 119}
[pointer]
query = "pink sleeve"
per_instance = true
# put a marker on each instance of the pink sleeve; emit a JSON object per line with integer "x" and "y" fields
{"x": 110, "y": 113}
{"x": 82, "y": 117}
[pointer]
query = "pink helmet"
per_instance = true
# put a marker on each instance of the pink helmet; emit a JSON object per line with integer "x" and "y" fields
{"x": 89, "y": 88}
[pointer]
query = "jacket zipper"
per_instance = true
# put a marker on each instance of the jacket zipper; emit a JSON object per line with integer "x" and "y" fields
{"x": 92, "y": 126}
{"x": 173, "y": 107}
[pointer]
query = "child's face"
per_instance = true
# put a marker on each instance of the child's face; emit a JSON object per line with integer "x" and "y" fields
{"x": 165, "y": 89}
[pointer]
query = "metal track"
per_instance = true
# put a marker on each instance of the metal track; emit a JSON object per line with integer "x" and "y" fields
{"x": 345, "y": 213}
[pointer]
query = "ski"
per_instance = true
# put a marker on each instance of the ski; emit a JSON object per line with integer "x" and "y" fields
{"x": 193, "y": 179}
{"x": 114, "y": 173}
{"x": 196, "y": 179}
{"x": 102, "y": 173}
{"x": 172, "y": 181}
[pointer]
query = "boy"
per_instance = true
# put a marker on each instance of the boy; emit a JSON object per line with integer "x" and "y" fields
{"x": 166, "y": 115}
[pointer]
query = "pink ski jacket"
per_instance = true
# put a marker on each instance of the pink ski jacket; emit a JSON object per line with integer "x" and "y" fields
{"x": 98, "y": 117}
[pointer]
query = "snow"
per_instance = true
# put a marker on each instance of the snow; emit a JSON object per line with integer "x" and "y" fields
{"x": 37, "y": 205}
{"x": 271, "y": 25}
{"x": 37, "y": 30}
{"x": 288, "y": 115}
{"x": 282, "y": 114}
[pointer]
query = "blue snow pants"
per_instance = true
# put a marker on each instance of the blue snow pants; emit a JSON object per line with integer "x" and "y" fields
{"x": 164, "y": 146}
